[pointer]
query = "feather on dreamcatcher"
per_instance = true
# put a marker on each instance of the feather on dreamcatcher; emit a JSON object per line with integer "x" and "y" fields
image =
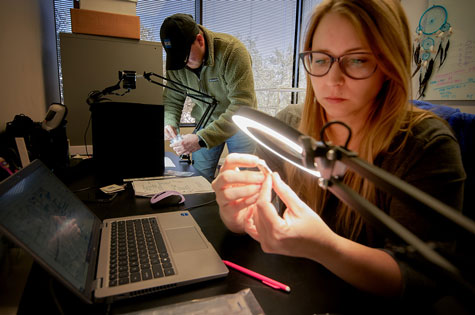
{"x": 433, "y": 31}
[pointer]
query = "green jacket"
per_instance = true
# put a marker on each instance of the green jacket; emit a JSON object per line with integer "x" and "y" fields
{"x": 226, "y": 75}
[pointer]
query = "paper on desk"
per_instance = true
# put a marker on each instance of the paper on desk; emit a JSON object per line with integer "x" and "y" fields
{"x": 189, "y": 185}
{"x": 169, "y": 162}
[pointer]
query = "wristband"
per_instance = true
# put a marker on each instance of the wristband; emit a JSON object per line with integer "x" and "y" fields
{"x": 201, "y": 142}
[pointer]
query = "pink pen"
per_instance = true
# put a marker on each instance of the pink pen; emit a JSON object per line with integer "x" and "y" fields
{"x": 267, "y": 281}
{"x": 4, "y": 164}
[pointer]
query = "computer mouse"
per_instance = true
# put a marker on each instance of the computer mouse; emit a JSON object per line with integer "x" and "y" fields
{"x": 167, "y": 198}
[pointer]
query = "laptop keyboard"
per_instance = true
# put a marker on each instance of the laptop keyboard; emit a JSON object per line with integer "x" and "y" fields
{"x": 138, "y": 252}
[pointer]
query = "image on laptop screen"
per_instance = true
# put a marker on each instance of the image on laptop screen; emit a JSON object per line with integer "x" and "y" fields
{"x": 38, "y": 215}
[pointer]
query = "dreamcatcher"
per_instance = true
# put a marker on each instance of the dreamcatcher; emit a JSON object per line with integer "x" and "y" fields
{"x": 433, "y": 31}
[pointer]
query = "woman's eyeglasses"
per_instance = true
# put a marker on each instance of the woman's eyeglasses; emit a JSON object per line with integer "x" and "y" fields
{"x": 357, "y": 66}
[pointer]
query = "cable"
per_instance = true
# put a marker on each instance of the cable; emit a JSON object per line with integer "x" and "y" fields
{"x": 108, "y": 304}
{"x": 84, "y": 189}
{"x": 202, "y": 204}
{"x": 85, "y": 134}
{"x": 328, "y": 124}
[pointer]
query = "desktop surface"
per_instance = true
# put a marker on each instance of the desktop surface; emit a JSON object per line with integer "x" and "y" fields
{"x": 314, "y": 290}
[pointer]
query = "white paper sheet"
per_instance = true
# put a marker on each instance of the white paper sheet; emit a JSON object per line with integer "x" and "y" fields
{"x": 169, "y": 162}
{"x": 188, "y": 185}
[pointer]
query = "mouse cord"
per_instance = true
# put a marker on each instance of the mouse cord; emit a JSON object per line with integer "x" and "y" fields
{"x": 85, "y": 188}
{"x": 202, "y": 204}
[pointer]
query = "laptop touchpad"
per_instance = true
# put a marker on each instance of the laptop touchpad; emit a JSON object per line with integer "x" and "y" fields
{"x": 185, "y": 239}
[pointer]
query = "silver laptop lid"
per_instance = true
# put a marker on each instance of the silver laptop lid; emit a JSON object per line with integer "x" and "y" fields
{"x": 40, "y": 214}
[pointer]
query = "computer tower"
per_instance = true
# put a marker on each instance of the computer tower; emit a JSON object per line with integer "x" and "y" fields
{"x": 128, "y": 140}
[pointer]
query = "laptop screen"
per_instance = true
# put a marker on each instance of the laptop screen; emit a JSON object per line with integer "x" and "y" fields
{"x": 38, "y": 211}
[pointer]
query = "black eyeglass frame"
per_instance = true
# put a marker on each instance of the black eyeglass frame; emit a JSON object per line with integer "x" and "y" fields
{"x": 332, "y": 61}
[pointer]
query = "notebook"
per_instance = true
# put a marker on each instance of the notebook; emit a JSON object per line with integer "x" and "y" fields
{"x": 40, "y": 214}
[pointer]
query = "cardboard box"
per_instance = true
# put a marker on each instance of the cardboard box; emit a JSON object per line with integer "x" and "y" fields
{"x": 105, "y": 24}
{"x": 112, "y": 6}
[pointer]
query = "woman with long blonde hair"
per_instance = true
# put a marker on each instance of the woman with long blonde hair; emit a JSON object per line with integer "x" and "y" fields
{"x": 357, "y": 55}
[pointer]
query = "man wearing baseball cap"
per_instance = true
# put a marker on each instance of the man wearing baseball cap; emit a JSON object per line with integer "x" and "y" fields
{"x": 219, "y": 65}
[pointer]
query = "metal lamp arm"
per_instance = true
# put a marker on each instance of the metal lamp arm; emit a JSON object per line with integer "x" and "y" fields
{"x": 331, "y": 162}
{"x": 200, "y": 97}
{"x": 435, "y": 264}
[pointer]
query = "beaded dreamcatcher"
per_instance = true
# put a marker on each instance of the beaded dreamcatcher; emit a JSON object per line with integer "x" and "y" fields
{"x": 433, "y": 31}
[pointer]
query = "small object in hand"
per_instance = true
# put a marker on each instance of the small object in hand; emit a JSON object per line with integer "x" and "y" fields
{"x": 176, "y": 139}
{"x": 262, "y": 166}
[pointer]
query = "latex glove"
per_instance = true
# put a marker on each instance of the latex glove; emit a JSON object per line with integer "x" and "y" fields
{"x": 188, "y": 144}
{"x": 299, "y": 232}
{"x": 170, "y": 132}
{"x": 236, "y": 190}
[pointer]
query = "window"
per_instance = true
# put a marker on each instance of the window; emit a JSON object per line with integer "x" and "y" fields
{"x": 267, "y": 30}
{"x": 62, "y": 17}
{"x": 307, "y": 9}
{"x": 267, "y": 27}
{"x": 152, "y": 14}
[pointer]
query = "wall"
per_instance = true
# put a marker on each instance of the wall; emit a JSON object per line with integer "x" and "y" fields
{"x": 29, "y": 80}
{"x": 28, "y": 84}
{"x": 414, "y": 10}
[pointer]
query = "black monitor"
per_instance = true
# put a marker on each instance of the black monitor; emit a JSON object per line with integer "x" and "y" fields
{"x": 128, "y": 140}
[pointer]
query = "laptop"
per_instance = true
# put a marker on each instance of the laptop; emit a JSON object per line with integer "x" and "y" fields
{"x": 128, "y": 140}
{"x": 114, "y": 259}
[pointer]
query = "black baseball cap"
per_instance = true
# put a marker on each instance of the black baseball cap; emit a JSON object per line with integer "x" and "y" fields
{"x": 177, "y": 33}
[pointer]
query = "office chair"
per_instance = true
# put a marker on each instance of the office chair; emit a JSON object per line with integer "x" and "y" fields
{"x": 463, "y": 126}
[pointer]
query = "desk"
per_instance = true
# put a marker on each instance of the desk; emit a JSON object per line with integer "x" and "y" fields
{"x": 314, "y": 289}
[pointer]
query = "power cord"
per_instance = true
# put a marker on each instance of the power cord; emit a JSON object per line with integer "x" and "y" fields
{"x": 84, "y": 189}
{"x": 85, "y": 134}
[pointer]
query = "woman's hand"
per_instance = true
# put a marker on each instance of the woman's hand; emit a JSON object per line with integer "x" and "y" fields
{"x": 236, "y": 190}
{"x": 300, "y": 232}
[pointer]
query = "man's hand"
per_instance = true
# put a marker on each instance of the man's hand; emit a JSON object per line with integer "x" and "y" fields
{"x": 170, "y": 132}
{"x": 187, "y": 145}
